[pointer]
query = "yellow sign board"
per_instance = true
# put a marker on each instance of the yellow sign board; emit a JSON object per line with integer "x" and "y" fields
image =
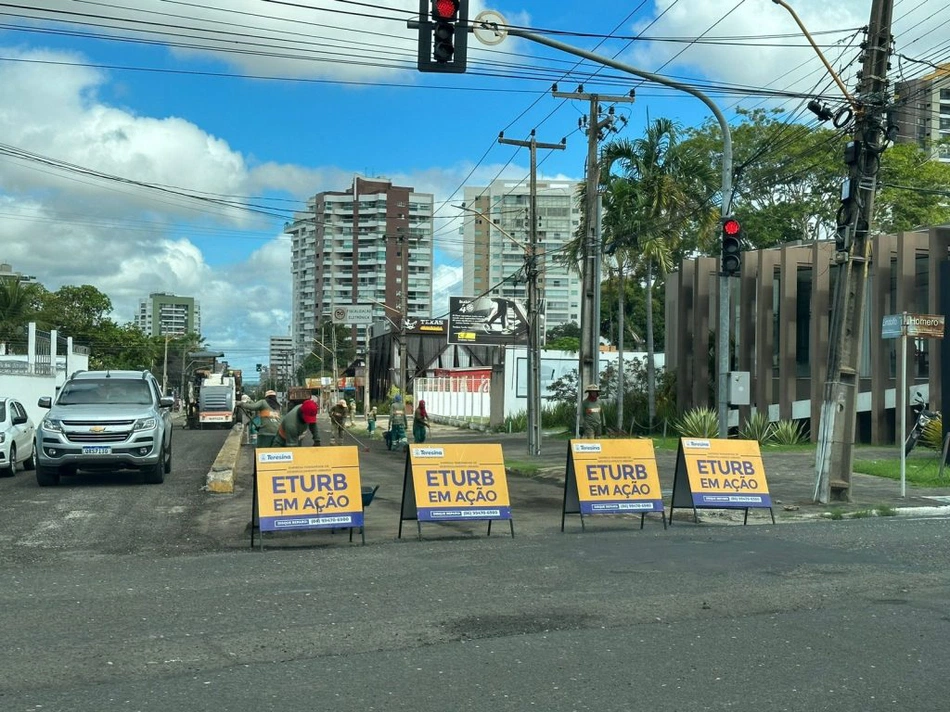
{"x": 308, "y": 488}
{"x": 612, "y": 477}
{"x": 720, "y": 474}
{"x": 449, "y": 482}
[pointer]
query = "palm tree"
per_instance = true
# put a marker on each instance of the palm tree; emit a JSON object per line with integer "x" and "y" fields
{"x": 669, "y": 191}
{"x": 18, "y": 306}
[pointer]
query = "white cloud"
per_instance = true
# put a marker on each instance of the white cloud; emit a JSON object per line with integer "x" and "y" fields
{"x": 447, "y": 282}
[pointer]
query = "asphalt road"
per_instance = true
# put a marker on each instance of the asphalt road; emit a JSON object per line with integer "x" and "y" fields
{"x": 121, "y": 596}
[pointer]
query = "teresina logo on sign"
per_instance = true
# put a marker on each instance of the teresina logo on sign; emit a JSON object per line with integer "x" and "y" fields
{"x": 275, "y": 457}
{"x": 587, "y": 447}
{"x": 428, "y": 452}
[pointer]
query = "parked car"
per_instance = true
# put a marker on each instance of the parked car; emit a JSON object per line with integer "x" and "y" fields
{"x": 16, "y": 437}
{"x": 105, "y": 420}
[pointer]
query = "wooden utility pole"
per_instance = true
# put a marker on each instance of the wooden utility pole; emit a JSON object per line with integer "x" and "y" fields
{"x": 835, "y": 455}
{"x": 531, "y": 274}
{"x": 588, "y": 367}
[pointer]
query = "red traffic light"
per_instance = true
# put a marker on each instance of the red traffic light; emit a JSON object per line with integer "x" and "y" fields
{"x": 730, "y": 226}
{"x": 445, "y": 10}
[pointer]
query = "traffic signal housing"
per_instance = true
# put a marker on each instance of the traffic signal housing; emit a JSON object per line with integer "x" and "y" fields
{"x": 731, "y": 258}
{"x": 443, "y": 36}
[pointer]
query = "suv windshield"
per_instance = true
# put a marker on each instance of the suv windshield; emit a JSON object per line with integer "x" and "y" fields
{"x": 86, "y": 392}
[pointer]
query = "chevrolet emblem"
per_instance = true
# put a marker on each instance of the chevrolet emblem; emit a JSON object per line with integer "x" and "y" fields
{"x": 97, "y": 429}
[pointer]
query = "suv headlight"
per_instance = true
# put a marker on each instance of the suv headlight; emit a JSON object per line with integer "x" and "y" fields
{"x": 145, "y": 424}
{"x": 3, "y": 438}
{"x": 54, "y": 426}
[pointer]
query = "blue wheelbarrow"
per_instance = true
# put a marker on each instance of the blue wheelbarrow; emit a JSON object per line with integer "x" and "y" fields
{"x": 368, "y": 494}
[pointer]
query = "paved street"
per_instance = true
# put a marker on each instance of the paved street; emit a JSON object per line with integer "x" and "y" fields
{"x": 121, "y": 596}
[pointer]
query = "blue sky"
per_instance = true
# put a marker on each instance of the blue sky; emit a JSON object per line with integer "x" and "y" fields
{"x": 144, "y": 91}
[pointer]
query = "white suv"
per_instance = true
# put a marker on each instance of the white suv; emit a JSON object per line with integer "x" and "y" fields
{"x": 105, "y": 420}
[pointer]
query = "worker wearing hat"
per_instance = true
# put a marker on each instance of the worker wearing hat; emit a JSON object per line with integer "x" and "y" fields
{"x": 296, "y": 423}
{"x": 592, "y": 415}
{"x": 338, "y": 415}
{"x": 266, "y": 417}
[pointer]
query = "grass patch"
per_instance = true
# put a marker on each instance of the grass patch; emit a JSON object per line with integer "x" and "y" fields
{"x": 836, "y": 514}
{"x": 524, "y": 468}
{"x": 885, "y": 510}
{"x": 921, "y": 471}
{"x": 862, "y": 514}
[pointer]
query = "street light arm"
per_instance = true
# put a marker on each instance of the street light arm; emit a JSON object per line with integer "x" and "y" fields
{"x": 493, "y": 224}
{"x": 720, "y": 117}
{"x": 821, "y": 56}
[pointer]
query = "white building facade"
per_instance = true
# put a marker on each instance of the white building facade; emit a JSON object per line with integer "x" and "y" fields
{"x": 490, "y": 258}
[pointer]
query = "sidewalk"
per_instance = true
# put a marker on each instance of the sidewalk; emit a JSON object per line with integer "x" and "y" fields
{"x": 790, "y": 475}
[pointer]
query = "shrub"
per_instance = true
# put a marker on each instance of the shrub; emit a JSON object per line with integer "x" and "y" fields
{"x": 932, "y": 435}
{"x": 788, "y": 432}
{"x": 757, "y": 427}
{"x": 698, "y": 423}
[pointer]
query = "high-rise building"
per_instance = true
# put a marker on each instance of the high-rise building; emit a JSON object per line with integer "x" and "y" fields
{"x": 282, "y": 358}
{"x": 922, "y": 111}
{"x": 364, "y": 245}
{"x": 490, "y": 258}
{"x": 164, "y": 314}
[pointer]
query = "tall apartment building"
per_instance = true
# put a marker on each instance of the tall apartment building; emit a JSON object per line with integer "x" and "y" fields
{"x": 164, "y": 314}
{"x": 489, "y": 257}
{"x": 923, "y": 111}
{"x": 281, "y": 357}
{"x": 363, "y": 245}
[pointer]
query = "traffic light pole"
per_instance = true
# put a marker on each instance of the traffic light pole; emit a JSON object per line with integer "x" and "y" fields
{"x": 534, "y": 311}
{"x": 835, "y": 455}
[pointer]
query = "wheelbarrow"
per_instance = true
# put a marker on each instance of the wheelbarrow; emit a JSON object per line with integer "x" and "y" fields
{"x": 368, "y": 494}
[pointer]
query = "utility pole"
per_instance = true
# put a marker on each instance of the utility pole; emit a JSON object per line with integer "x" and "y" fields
{"x": 588, "y": 367}
{"x": 835, "y": 455}
{"x": 531, "y": 273}
{"x": 404, "y": 309}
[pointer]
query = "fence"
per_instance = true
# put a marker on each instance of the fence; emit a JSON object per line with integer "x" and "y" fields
{"x": 36, "y": 356}
{"x": 455, "y": 400}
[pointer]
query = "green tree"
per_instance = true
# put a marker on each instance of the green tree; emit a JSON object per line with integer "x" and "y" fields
{"x": 19, "y": 305}
{"x": 787, "y": 178}
{"x": 76, "y": 311}
{"x": 662, "y": 192}
{"x": 914, "y": 190}
{"x": 564, "y": 337}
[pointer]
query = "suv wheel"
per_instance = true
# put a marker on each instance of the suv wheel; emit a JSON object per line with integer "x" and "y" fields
{"x": 47, "y": 476}
{"x": 155, "y": 474}
{"x": 168, "y": 459}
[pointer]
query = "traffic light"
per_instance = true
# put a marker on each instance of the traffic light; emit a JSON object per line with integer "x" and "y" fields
{"x": 443, "y": 35}
{"x": 260, "y": 367}
{"x": 731, "y": 247}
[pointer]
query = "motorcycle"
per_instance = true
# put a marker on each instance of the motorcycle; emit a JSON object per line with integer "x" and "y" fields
{"x": 923, "y": 416}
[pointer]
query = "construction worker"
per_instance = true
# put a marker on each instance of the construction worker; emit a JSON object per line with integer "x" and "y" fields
{"x": 295, "y": 423}
{"x": 338, "y": 414}
{"x": 267, "y": 412}
{"x": 371, "y": 421}
{"x": 420, "y": 423}
{"x": 396, "y": 435}
{"x": 352, "y": 409}
{"x": 592, "y": 415}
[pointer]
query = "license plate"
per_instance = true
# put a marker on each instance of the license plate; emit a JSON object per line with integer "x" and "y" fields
{"x": 97, "y": 450}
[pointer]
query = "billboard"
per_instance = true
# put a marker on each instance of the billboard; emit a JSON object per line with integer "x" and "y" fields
{"x": 488, "y": 321}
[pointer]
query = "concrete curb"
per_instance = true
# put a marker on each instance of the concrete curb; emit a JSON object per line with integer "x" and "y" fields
{"x": 220, "y": 478}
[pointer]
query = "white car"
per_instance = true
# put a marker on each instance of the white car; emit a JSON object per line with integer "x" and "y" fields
{"x": 16, "y": 438}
